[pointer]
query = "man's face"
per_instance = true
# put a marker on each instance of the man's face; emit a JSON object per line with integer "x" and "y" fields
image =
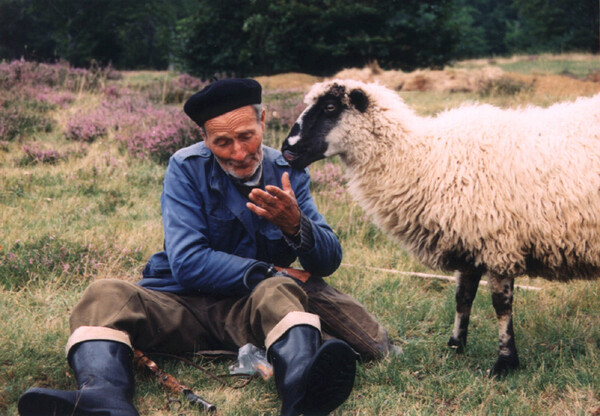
{"x": 235, "y": 138}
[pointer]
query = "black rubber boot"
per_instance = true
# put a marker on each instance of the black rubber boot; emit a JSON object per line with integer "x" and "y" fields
{"x": 104, "y": 374}
{"x": 311, "y": 379}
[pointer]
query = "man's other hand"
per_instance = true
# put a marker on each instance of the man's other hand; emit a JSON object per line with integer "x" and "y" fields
{"x": 298, "y": 274}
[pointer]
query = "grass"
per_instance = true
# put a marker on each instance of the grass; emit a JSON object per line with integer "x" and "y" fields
{"x": 96, "y": 214}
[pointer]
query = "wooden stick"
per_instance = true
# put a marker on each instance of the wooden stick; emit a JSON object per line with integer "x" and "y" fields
{"x": 436, "y": 276}
{"x": 170, "y": 382}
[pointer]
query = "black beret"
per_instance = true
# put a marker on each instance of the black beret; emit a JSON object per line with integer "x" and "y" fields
{"x": 221, "y": 97}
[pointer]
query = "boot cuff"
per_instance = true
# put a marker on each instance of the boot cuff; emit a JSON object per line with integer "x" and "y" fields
{"x": 292, "y": 319}
{"x": 96, "y": 333}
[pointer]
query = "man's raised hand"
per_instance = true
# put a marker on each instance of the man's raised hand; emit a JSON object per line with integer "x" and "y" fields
{"x": 277, "y": 205}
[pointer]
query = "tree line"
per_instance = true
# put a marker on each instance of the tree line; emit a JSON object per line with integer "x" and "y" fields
{"x": 261, "y": 37}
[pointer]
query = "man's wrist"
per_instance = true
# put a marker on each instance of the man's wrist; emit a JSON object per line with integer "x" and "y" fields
{"x": 303, "y": 239}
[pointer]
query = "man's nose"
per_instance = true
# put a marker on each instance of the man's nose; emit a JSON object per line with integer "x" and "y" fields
{"x": 239, "y": 152}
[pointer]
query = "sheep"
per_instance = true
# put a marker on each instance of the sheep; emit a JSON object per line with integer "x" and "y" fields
{"x": 475, "y": 190}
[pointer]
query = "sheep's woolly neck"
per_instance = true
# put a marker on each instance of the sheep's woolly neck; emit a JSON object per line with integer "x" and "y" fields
{"x": 516, "y": 191}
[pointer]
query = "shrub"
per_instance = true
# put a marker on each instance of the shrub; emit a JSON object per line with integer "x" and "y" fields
{"x": 329, "y": 178}
{"x": 20, "y": 73}
{"x": 160, "y": 134}
{"x": 283, "y": 108}
{"x": 49, "y": 256}
{"x": 20, "y": 117}
{"x": 503, "y": 86}
{"x": 51, "y": 97}
{"x": 173, "y": 91}
{"x": 35, "y": 154}
{"x": 30, "y": 260}
{"x": 87, "y": 127}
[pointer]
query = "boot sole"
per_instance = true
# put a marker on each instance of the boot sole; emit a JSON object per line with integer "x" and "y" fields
{"x": 329, "y": 380}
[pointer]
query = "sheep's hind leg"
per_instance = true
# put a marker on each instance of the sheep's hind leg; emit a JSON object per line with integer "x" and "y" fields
{"x": 502, "y": 299}
{"x": 467, "y": 282}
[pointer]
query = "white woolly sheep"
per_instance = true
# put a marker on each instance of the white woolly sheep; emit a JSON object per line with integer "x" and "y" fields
{"x": 476, "y": 190}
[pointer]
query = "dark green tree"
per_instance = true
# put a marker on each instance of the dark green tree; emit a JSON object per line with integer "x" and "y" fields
{"x": 484, "y": 25}
{"x": 24, "y": 33}
{"x": 212, "y": 40}
{"x": 314, "y": 36}
{"x": 555, "y": 26}
{"x": 126, "y": 33}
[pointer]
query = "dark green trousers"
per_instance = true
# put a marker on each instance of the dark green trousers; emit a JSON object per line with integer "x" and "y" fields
{"x": 160, "y": 321}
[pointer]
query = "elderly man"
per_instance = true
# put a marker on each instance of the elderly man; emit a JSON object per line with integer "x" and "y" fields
{"x": 235, "y": 217}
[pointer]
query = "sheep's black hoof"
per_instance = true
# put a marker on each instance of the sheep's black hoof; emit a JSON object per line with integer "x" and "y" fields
{"x": 457, "y": 344}
{"x": 504, "y": 366}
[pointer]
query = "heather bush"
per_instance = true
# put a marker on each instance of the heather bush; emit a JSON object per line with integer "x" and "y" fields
{"x": 49, "y": 255}
{"x": 122, "y": 106}
{"x": 283, "y": 106}
{"x": 20, "y": 73}
{"x": 35, "y": 154}
{"x": 20, "y": 117}
{"x": 47, "y": 95}
{"x": 160, "y": 133}
{"x": 329, "y": 178}
{"x": 120, "y": 110}
{"x": 173, "y": 91}
{"x": 87, "y": 127}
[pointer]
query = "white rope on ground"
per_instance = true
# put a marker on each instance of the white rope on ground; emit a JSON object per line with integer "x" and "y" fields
{"x": 427, "y": 275}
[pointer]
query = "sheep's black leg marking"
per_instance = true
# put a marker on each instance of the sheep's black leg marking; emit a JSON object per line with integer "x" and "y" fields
{"x": 466, "y": 289}
{"x": 502, "y": 299}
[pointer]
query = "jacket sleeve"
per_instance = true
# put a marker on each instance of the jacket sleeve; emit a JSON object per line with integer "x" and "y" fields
{"x": 194, "y": 264}
{"x": 325, "y": 255}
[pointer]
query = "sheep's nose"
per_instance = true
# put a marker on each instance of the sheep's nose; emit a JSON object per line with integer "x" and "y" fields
{"x": 292, "y": 138}
{"x": 295, "y": 130}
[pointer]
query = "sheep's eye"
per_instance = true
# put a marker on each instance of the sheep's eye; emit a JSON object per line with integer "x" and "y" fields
{"x": 330, "y": 107}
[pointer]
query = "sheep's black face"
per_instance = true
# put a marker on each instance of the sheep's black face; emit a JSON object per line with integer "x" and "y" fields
{"x": 307, "y": 142}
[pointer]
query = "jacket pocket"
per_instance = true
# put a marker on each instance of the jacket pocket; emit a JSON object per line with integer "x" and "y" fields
{"x": 224, "y": 234}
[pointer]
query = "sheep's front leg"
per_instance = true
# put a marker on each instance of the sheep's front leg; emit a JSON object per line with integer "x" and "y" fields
{"x": 467, "y": 283}
{"x": 502, "y": 299}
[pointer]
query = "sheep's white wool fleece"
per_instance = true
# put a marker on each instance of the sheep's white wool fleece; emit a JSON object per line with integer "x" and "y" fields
{"x": 500, "y": 188}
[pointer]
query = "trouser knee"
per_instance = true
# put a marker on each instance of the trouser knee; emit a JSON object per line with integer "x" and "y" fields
{"x": 282, "y": 290}
{"x": 94, "y": 316}
{"x": 99, "y": 301}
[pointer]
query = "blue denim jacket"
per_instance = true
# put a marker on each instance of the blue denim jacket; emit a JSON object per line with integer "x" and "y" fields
{"x": 214, "y": 244}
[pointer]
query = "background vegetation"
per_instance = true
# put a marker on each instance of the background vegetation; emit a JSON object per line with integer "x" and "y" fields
{"x": 264, "y": 37}
{"x": 82, "y": 157}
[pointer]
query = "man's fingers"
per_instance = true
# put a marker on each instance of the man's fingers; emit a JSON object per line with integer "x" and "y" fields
{"x": 285, "y": 190}
{"x": 261, "y": 212}
{"x": 259, "y": 196}
{"x": 276, "y": 192}
{"x": 285, "y": 182}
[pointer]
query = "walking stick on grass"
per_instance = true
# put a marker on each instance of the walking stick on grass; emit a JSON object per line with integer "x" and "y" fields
{"x": 170, "y": 382}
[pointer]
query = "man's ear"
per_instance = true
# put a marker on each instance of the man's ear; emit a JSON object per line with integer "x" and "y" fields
{"x": 263, "y": 118}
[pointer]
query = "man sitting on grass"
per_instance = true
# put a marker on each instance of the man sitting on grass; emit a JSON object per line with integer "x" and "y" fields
{"x": 235, "y": 217}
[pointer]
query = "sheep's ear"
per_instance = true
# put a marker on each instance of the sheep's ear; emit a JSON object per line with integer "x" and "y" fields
{"x": 359, "y": 99}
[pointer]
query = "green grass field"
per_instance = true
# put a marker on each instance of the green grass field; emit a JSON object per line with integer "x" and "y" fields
{"x": 94, "y": 213}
